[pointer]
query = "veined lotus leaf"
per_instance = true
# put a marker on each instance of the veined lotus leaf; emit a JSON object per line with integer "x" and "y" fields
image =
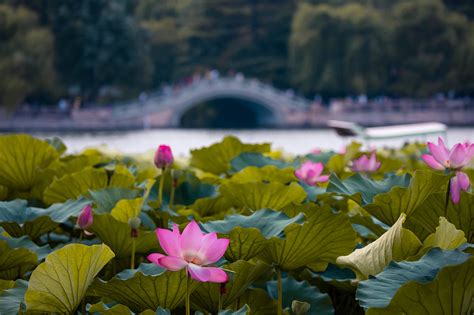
{"x": 18, "y": 219}
{"x": 15, "y": 262}
{"x": 11, "y": 299}
{"x": 117, "y": 235}
{"x": 106, "y": 199}
{"x": 257, "y": 196}
{"x": 254, "y": 159}
{"x": 395, "y": 244}
{"x": 378, "y": 291}
{"x": 147, "y": 287}
{"x": 26, "y": 243}
{"x": 210, "y": 206}
{"x": 21, "y": 157}
{"x": 445, "y": 237}
{"x": 363, "y": 189}
{"x": 127, "y": 209}
{"x": 122, "y": 177}
{"x": 60, "y": 283}
{"x": 245, "y": 243}
{"x": 6, "y": 284}
{"x": 425, "y": 218}
{"x": 302, "y": 291}
{"x": 75, "y": 163}
{"x": 451, "y": 292}
{"x": 71, "y": 186}
{"x": 267, "y": 174}
{"x": 3, "y": 192}
{"x": 387, "y": 207}
{"x": 258, "y": 301}
{"x": 217, "y": 157}
{"x": 206, "y": 295}
{"x": 317, "y": 242}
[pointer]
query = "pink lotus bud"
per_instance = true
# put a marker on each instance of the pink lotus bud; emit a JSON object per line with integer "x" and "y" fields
{"x": 458, "y": 183}
{"x": 163, "y": 157}
{"x": 441, "y": 158}
{"x": 192, "y": 250}
{"x": 310, "y": 173}
{"x": 85, "y": 218}
{"x": 365, "y": 164}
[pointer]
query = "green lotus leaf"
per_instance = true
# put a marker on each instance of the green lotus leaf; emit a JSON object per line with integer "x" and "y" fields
{"x": 395, "y": 244}
{"x": 315, "y": 243}
{"x": 21, "y": 159}
{"x": 267, "y": 174}
{"x": 11, "y": 299}
{"x": 14, "y": 262}
{"x": 451, "y": 292}
{"x": 117, "y": 235}
{"x": 377, "y": 292}
{"x": 245, "y": 243}
{"x": 362, "y": 189}
{"x": 320, "y": 303}
{"x": 147, "y": 287}
{"x": 216, "y": 159}
{"x": 258, "y": 195}
{"x": 206, "y": 295}
{"x": 60, "y": 283}
{"x": 106, "y": 199}
{"x": 75, "y": 163}
{"x": 72, "y": 186}
{"x": 368, "y": 222}
{"x": 341, "y": 278}
{"x": 322, "y": 157}
{"x": 122, "y": 177}
{"x": 3, "y": 192}
{"x": 102, "y": 309}
{"x": 338, "y": 162}
{"x": 6, "y": 284}
{"x": 24, "y": 242}
{"x": 425, "y": 218}
{"x": 127, "y": 209}
{"x": 445, "y": 237}
{"x": 387, "y": 207}
{"x": 18, "y": 219}
{"x": 258, "y": 301}
{"x": 210, "y": 206}
{"x": 254, "y": 159}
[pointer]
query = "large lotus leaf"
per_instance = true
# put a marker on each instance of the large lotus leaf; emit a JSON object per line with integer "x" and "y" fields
{"x": 378, "y": 291}
{"x": 320, "y": 303}
{"x": 106, "y": 199}
{"x": 74, "y": 163}
{"x": 117, "y": 235}
{"x": 11, "y": 299}
{"x": 451, "y": 292}
{"x": 216, "y": 158}
{"x": 14, "y": 262}
{"x": 245, "y": 243}
{"x": 267, "y": 173}
{"x": 395, "y": 244}
{"x": 258, "y": 301}
{"x": 147, "y": 287}
{"x": 445, "y": 237}
{"x": 122, "y": 177}
{"x": 206, "y": 295}
{"x": 127, "y": 209}
{"x": 26, "y": 243}
{"x": 21, "y": 157}
{"x": 18, "y": 219}
{"x": 254, "y": 159}
{"x": 317, "y": 242}
{"x": 367, "y": 221}
{"x": 363, "y": 189}
{"x": 338, "y": 277}
{"x": 71, "y": 186}
{"x": 260, "y": 195}
{"x": 60, "y": 283}
{"x": 210, "y": 206}
{"x": 387, "y": 207}
{"x": 425, "y": 218}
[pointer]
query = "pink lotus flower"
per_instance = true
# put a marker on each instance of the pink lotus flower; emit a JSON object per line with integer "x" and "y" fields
{"x": 191, "y": 250}
{"x": 310, "y": 173}
{"x": 163, "y": 157}
{"x": 458, "y": 183}
{"x": 441, "y": 158}
{"x": 85, "y": 218}
{"x": 366, "y": 164}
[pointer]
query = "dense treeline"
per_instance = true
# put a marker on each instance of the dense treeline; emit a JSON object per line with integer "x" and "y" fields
{"x": 98, "y": 49}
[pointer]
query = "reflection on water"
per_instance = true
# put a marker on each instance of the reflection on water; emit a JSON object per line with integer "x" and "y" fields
{"x": 182, "y": 140}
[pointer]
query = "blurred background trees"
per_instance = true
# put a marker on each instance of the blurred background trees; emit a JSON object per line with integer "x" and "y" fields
{"x": 102, "y": 50}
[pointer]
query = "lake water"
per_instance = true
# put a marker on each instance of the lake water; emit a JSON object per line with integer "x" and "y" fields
{"x": 182, "y": 140}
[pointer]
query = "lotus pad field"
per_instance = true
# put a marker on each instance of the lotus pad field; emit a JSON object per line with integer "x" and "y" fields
{"x": 236, "y": 228}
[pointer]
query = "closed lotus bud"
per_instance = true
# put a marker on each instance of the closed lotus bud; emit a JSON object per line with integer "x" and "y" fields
{"x": 85, "y": 218}
{"x": 300, "y": 308}
{"x": 163, "y": 157}
{"x": 134, "y": 223}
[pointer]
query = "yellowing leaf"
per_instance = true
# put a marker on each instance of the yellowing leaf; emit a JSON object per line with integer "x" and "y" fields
{"x": 268, "y": 173}
{"x": 127, "y": 209}
{"x": 445, "y": 237}
{"x": 60, "y": 283}
{"x": 395, "y": 244}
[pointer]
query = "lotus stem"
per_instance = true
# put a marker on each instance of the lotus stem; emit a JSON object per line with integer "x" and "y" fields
{"x": 219, "y": 305}
{"x": 187, "y": 302}
{"x": 446, "y": 203}
{"x": 280, "y": 293}
{"x": 171, "y": 204}
{"x": 160, "y": 188}
{"x": 132, "y": 264}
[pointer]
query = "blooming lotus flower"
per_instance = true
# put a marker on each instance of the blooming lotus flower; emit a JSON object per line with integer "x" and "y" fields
{"x": 85, "y": 218}
{"x": 442, "y": 158}
{"x": 163, "y": 157}
{"x": 458, "y": 183}
{"x": 366, "y": 164}
{"x": 310, "y": 173}
{"x": 192, "y": 250}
